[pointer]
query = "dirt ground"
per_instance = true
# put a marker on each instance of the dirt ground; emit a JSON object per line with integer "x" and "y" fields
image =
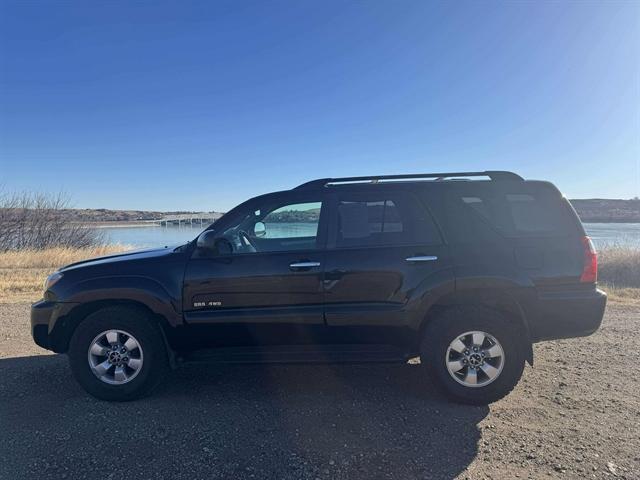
{"x": 576, "y": 414}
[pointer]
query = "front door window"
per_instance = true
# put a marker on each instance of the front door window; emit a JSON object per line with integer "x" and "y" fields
{"x": 274, "y": 227}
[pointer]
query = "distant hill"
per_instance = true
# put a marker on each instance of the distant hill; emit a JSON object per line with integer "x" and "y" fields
{"x": 592, "y": 210}
{"x": 99, "y": 215}
{"x": 294, "y": 216}
{"x": 598, "y": 210}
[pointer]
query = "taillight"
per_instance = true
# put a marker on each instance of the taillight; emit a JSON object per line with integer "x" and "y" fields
{"x": 590, "y": 268}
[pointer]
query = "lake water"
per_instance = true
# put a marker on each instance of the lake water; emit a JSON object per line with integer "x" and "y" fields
{"x": 614, "y": 234}
{"x": 158, "y": 236}
{"x": 603, "y": 234}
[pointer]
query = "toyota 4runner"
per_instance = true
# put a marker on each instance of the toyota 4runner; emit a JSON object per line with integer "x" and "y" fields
{"x": 464, "y": 270}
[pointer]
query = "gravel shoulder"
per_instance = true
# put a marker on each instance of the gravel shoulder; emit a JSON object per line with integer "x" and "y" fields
{"x": 576, "y": 414}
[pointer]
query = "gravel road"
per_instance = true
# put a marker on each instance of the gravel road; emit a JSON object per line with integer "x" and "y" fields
{"x": 576, "y": 414}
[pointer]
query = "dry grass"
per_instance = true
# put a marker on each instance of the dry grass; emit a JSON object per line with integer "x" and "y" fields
{"x": 622, "y": 295}
{"x": 22, "y": 272}
{"x": 619, "y": 273}
{"x": 619, "y": 267}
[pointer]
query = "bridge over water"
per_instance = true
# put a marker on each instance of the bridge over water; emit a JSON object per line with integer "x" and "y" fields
{"x": 198, "y": 219}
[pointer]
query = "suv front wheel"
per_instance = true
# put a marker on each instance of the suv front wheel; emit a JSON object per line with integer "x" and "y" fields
{"x": 473, "y": 354}
{"x": 117, "y": 354}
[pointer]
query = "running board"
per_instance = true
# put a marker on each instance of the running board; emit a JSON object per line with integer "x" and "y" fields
{"x": 300, "y": 354}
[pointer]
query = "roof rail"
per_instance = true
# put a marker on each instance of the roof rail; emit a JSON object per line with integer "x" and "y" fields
{"x": 492, "y": 174}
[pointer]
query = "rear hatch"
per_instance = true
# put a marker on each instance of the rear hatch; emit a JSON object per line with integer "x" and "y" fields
{"x": 526, "y": 230}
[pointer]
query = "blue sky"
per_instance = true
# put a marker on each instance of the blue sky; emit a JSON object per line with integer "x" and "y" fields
{"x": 199, "y": 105}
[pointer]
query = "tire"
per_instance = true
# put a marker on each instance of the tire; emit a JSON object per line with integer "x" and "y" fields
{"x": 150, "y": 354}
{"x": 504, "y": 370}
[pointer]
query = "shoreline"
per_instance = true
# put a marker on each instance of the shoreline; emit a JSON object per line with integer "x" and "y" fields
{"x": 120, "y": 224}
{"x": 127, "y": 224}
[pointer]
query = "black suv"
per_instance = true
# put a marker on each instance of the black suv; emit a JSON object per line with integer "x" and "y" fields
{"x": 465, "y": 270}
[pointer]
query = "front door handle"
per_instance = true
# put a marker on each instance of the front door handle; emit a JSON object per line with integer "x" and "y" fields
{"x": 303, "y": 265}
{"x": 422, "y": 258}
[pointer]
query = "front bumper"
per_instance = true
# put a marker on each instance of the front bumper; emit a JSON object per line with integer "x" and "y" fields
{"x": 45, "y": 316}
{"x": 567, "y": 314}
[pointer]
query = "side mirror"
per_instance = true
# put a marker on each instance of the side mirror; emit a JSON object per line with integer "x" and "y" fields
{"x": 209, "y": 243}
{"x": 207, "y": 240}
{"x": 259, "y": 229}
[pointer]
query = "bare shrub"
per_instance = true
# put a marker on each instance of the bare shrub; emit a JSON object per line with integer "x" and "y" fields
{"x": 37, "y": 220}
{"x": 619, "y": 267}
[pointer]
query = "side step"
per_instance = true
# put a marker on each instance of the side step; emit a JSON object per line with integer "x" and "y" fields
{"x": 300, "y": 354}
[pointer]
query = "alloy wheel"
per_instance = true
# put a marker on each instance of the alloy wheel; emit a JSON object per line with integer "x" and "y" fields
{"x": 475, "y": 359}
{"x": 115, "y": 357}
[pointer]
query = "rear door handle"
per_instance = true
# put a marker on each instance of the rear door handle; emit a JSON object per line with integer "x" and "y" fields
{"x": 422, "y": 258}
{"x": 305, "y": 264}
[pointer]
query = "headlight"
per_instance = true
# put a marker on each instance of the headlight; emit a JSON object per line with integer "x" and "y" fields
{"x": 52, "y": 280}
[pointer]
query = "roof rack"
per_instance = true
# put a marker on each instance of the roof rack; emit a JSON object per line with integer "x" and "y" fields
{"x": 492, "y": 174}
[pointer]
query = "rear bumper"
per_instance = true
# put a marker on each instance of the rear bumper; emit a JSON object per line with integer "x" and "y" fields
{"x": 567, "y": 314}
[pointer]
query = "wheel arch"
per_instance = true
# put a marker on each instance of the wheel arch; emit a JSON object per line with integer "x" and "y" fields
{"x": 494, "y": 299}
{"x": 66, "y": 326}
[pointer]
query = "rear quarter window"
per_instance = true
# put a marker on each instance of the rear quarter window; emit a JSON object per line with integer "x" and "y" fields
{"x": 529, "y": 215}
{"x": 518, "y": 211}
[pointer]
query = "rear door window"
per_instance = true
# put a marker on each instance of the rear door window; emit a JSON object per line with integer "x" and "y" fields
{"x": 382, "y": 219}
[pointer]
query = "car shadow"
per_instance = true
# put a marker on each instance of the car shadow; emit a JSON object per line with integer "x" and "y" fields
{"x": 235, "y": 421}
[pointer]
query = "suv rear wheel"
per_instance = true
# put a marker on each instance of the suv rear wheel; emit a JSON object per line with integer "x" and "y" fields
{"x": 473, "y": 354}
{"x": 117, "y": 354}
